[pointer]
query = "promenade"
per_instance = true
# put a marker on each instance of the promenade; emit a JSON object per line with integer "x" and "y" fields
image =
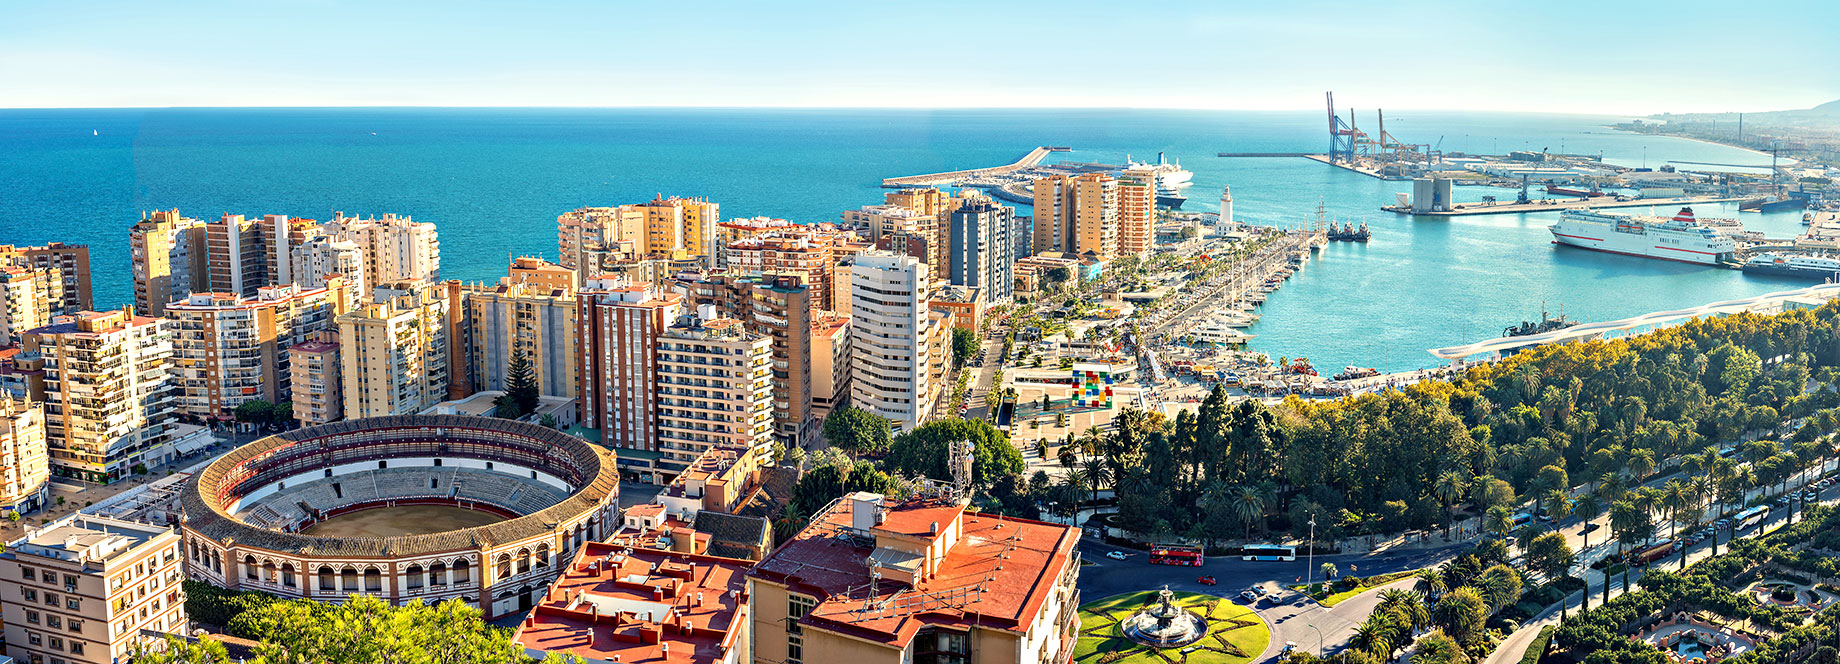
{"x": 1033, "y": 158}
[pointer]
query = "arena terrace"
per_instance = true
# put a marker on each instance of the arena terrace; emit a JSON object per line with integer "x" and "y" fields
{"x": 481, "y": 509}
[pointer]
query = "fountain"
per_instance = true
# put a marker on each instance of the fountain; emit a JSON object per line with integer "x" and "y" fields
{"x": 1164, "y": 625}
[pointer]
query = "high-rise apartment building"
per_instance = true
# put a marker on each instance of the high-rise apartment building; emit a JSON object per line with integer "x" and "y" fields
{"x": 539, "y": 273}
{"x": 396, "y": 249}
{"x": 29, "y": 297}
{"x": 537, "y": 320}
{"x": 830, "y": 364}
{"x": 983, "y": 251}
{"x": 734, "y": 230}
{"x": 618, "y": 338}
{"x": 71, "y": 261}
{"x": 892, "y": 338}
{"x": 168, "y": 255}
{"x": 394, "y": 352}
{"x": 1137, "y": 211}
{"x": 314, "y": 380}
{"x": 714, "y": 388}
{"x": 229, "y": 350}
{"x": 779, "y": 308}
{"x": 25, "y": 467}
{"x": 109, "y": 399}
{"x": 87, "y": 589}
{"x": 1077, "y": 214}
{"x": 319, "y": 259}
{"x": 807, "y": 252}
{"x": 236, "y": 255}
{"x": 671, "y": 228}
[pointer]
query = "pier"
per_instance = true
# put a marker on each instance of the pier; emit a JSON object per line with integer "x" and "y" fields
{"x": 1558, "y": 205}
{"x": 1029, "y": 160}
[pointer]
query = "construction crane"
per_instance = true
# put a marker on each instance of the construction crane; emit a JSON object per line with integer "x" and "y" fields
{"x": 1343, "y": 137}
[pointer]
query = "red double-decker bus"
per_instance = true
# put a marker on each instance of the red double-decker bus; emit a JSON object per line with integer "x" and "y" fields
{"x": 1175, "y": 554}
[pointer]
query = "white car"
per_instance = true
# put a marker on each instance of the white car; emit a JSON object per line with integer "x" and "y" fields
{"x": 1116, "y": 555}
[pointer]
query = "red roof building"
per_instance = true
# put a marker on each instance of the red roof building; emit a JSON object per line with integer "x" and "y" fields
{"x": 628, "y": 600}
{"x": 873, "y": 580}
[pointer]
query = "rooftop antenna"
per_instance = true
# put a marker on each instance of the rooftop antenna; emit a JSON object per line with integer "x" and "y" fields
{"x": 960, "y": 462}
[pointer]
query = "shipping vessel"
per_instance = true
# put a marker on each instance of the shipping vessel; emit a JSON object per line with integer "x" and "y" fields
{"x": 1811, "y": 266}
{"x": 1773, "y": 204}
{"x": 1681, "y": 238}
{"x": 1170, "y": 179}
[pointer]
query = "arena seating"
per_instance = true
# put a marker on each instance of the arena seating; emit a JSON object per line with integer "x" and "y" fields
{"x": 284, "y": 508}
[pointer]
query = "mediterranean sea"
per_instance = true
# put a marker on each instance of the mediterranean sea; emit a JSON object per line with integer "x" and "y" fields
{"x": 493, "y": 180}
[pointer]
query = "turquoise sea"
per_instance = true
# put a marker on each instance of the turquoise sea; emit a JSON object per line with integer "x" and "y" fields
{"x": 495, "y": 179}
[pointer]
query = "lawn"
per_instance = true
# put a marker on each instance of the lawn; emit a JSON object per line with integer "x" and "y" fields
{"x": 1368, "y": 583}
{"x": 1235, "y": 635}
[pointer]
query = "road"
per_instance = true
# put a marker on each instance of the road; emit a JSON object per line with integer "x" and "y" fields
{"x": 1290, "y": 621}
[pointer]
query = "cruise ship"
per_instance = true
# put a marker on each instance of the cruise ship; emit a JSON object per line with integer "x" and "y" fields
{"x": 1812, "y": 266}
{"x": 1681, "y": 238}
{"x": 1170, "y": 179}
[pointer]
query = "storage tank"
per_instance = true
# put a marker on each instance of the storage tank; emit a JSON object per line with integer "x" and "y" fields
{"x": 1422, "y": 195}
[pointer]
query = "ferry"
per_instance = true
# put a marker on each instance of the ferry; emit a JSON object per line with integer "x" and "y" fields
{"x": 1681, "y": 238}
{"x": 1813, "y": 266}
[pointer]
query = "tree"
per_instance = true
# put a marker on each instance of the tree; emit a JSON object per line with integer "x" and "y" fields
{"x": 793, "y": 457}
{"x": 1058, "y": 275}
{"x": 365, "y": 629}
{"x": 964, "y": 345}
{"x": 1461, "y": 613}
{"x": 259, "y": 412}
{"x": 857, "y": 431}
{"x": 174, "y": 650}
{"x": 1449, "y": 489}
{"x": 1498, "y": 521}
{"x": 521, "y": 383}
{"x": 504, "y": 406}
{"x": 924, "y": 451}
{"x": 1551, "y": 555}
{"x": 1439, "y": 648}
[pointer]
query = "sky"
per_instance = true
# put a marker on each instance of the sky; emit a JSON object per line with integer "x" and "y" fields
{"x": 1625, "y": 58}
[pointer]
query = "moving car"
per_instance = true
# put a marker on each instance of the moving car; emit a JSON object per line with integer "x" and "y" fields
{"x": 1116, "y": 555}
{"x": 1206, "y": 581}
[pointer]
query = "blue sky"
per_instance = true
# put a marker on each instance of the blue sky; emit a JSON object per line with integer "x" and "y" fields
{"x": 1610, "y": 57}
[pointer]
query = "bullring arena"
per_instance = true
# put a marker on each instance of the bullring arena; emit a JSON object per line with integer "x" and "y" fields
{"x": 480, "y": 509}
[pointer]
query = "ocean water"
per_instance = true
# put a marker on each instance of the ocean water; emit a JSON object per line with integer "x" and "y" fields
{"x": 495, "y": 179}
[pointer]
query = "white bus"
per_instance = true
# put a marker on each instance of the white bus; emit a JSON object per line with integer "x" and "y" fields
{"x": 1750, "y": 517}
{"x": 1268, "y": 552}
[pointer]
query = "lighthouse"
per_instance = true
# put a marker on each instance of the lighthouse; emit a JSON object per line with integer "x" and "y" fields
{"x": 1226, "y": 206}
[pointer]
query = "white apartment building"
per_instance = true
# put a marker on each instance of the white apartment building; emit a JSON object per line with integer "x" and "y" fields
{"x": 85, "y": 589}
{"x": 108, "y": 396}
{"x": 891, "y": 332}
{"x": 715, "y": 388}
{"x": 230, "y": 350}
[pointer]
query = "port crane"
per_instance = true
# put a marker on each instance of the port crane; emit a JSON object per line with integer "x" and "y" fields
{"x": 1343, "y": 137}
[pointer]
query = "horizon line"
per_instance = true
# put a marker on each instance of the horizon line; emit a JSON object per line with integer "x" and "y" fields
{"x": 803, "y": 108}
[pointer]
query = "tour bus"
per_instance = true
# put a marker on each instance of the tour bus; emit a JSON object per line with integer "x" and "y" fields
{"x": 1750, "y": 517}
{"x": 1522, "y": 519}
{"x": 1175, "y": 554}
{"x": 1268, "y": 552}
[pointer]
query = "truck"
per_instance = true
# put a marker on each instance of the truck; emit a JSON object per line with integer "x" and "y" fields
{"x": 1651, "y": 554}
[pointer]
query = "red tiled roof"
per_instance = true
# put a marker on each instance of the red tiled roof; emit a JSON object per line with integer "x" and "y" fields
{"x": 997, "y": 575}
{"x": 610, "y": 601}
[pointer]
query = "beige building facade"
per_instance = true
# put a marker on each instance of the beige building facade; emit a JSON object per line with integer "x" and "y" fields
{"x": 25, "y": 469}
{"x": 85, "y": 589}
{"x": 714, "y": 388}
{"x": 229, "y": 350}
{"x": 109, "y": 401}
{"x": 394, "y": 352}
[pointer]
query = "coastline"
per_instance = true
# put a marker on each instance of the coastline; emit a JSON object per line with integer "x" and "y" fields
{"x": 1708, "y": 141}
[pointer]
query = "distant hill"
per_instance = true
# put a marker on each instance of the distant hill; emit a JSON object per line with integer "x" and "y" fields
{"x": 1825, "y": 115}
{"x": 1829, "y": 108}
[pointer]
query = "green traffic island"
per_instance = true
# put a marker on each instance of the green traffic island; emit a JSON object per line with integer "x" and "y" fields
{"x": 1341, "y": 589}
{"x": 1229, "y": 633}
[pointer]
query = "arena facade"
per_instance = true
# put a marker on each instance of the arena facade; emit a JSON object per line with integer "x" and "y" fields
{"x": 246, "y": 513}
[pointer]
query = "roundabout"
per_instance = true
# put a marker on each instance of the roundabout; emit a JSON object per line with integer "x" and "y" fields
{"x": 1158, "y": 626}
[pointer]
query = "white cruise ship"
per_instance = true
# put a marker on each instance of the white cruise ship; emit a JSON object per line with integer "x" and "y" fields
{"x": 1678, "y": 239}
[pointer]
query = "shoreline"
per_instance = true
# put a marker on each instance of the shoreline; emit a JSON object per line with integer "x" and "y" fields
{"x": 1708, "y": 141}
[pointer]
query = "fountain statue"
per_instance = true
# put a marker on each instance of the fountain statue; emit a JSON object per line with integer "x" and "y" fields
{"x": 1164, "y": 625}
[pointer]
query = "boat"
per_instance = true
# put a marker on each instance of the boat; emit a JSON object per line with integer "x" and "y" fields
{"x": 1824, "y": 267}
{"x": 1348, "y": 232}
{"x": 1169, "y": 197}
{"x": 1773, "y": 204}
{"x": 1352, "y": 373}
{"x": 1545, "y": 324}
{"x": 1680, "y": 238}
{"x": 1170, "y": 179}
{"x": 1572, "y": 191}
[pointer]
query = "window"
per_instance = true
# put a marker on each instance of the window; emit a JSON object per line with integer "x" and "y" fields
{"x": 49, "y": 576}
{"x": 28, "y": 572}
{"x": 796, "y": 608}
{"x": 69, "y": 580}
{"x": 34, "y": 639}
{"x": 57, "y": 643}
{"x": 51, "y": 599}
{"x": 76, "y": 647}
{"x": 76, "y": 625}
{"x": 32, "y": 617}
{"x": 73, "y": 603}
{"x": 54, "y": 621}
{"x": 30, "y": 594}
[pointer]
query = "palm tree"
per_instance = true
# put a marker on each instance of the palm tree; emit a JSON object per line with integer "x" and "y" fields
{"x": 1096, "y": 474}
{"x": 1091, "y": 440}
{"x": 1429, "y": 584}
{"x": 1449, "y": 488}
{"x": 1676, "y": 497}
{"x": 1557, "y": 503}
{"x": 1248, "y": 505}
{"x": 1372, "y": 637}
{"x": 1640, "y": 463}
{"x": 1498, "y": 521}
{"x": 1625, "y": 519}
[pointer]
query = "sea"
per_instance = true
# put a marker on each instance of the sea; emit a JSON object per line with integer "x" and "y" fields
{"x": 494, "y": 180}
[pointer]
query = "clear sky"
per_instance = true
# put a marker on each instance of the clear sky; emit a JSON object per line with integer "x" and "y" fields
{"x": 1621, "y": 57}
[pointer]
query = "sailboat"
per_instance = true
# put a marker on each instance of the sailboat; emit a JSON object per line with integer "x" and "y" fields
{"x": 93, "y": 132}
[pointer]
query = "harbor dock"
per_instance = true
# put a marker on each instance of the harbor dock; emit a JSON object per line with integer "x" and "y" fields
{"x": 948, "y": 178}
{"x": 1558, "y": 205}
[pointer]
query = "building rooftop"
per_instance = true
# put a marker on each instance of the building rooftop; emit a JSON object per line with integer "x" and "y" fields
{"x": 631, "y": 601}
{"x": 992, "y": 571}
{"x": 315, "y": 347}
{"x": 83, "y": 538}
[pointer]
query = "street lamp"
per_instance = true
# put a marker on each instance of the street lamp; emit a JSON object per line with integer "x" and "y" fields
{"x": 1319, "y": 640}
{"x": 1310, "y": 553}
